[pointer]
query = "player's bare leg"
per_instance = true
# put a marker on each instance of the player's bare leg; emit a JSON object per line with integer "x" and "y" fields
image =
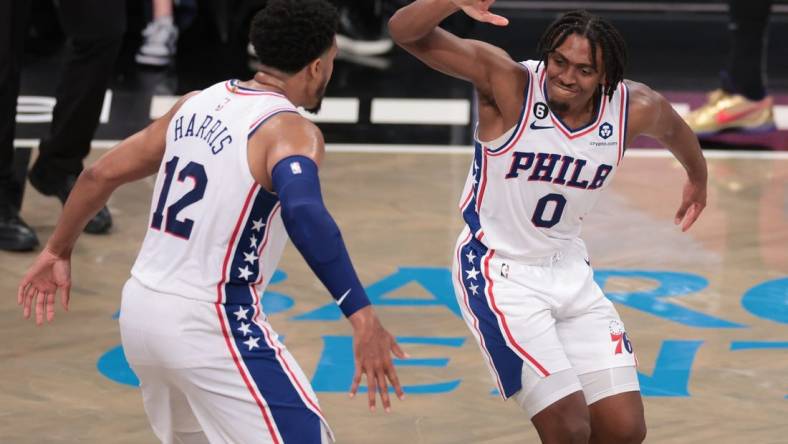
{"x": 565, "y": 421}
{"x": 618, "y": 419}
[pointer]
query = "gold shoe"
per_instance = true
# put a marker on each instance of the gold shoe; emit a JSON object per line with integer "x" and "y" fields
{"x": 725, "y": 111}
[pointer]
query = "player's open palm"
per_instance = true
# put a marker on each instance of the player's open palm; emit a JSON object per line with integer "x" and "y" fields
{"x": 480, "y": 10}
{"x": 693, "y": 201}
{"x": 372, "y": 349}
{"x": 48, "y": 275}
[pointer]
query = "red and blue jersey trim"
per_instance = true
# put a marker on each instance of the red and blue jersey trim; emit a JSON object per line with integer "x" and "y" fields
{"x": 233, "y": 87}
{"x": 623, "y": 121}
{"x": 583, "y": 130}
{"x": 525, "y": 114}
{"x": 258, "y": 122}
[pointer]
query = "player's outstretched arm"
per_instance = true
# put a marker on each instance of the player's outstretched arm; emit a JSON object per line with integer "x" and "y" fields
{"x": 284, "y": 158}
{"x": 652, "y": 115}
{"x": 134, "y": 158}
{"x": 415, "y": 28}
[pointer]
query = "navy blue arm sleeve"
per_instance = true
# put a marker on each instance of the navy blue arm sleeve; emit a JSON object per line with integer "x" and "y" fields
{"x": 315, "y": 233}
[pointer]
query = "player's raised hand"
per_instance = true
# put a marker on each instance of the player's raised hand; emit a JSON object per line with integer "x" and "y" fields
{"x": 372, "y": 349}
{"x": 49, "y": 274}
{"x": 693, "y": 201}
{"x": 480, "y": 10}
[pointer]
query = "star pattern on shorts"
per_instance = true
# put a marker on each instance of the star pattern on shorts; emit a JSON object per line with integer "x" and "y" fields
{"x": 244, "y": 328}
{"x": 252, "y": 342}
{"x": 253, "y": 241}
{"x": 258, "y": 224}
{"x": 245, "y": 272}
{"x": 472, "y": 273}
{"x": 241, "y": 313}
{"x": 250, "y": 257}
{"x": 474, "y": 289}
{"x": 470, "y": 256}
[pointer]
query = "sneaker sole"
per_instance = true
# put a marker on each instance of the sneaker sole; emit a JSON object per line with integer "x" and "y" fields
{"x": 763, "y": 129}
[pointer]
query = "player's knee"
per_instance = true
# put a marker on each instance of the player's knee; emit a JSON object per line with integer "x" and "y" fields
{"x": 578, "y": 430}
{"x": 573, "y": 429}
{"x": 631, "y": 431}
{"x": 566, "y": 421}
{"x": 635, "y": 433}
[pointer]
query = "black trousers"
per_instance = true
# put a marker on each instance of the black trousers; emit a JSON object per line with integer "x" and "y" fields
{"x": 94, "y": 29}
{"x": 747, "y": 62}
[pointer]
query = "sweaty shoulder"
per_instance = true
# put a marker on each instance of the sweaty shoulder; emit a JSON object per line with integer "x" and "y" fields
{"x": 644, "y": 108}
{"x": 284, "y": 135}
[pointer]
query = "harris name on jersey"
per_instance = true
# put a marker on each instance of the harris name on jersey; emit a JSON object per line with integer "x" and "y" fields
{"x": 208, "y": 128}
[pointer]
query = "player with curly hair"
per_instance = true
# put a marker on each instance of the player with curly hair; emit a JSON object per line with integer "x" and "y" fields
{"x": 550, "y": 137}
{"x": 211, "y": 367}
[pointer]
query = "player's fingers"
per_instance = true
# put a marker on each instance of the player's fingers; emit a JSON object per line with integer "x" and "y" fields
{"x": 20, "y": 292}
{"x": 398, "y": 352}
{"x": 391, "y": 373}
{"x": 494, "y": 19}
{"x": 371, "y": 389}
{"x": 356, "y": 381}
{"x": 40, "y": 300}
{"x": 65, "y": 296}
{"x": 681, "y": 212}
{"x": 30, "y": 294}
{"x": 692, "y": 215}
{"x": 50, "y": 306}
{"x": 384, "y": 390}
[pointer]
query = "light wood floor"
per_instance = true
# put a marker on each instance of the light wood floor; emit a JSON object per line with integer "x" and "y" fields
{"x": 399, "y": 210}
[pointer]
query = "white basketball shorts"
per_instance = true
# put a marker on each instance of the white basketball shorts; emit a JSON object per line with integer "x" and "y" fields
{"x": 550, "y": 315}
{"x": 215, "y": 373}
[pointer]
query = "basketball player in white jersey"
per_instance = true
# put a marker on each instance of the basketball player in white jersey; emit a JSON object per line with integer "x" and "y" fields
{"x": 550, "y": 137}
{"x": 237, "y": 167}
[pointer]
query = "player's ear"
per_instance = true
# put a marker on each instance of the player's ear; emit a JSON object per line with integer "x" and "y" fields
{"x": 314, "y": 67}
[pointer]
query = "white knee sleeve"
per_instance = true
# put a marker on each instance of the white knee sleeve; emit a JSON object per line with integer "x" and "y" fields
{"x": 539, "y": 392}
{"x": 608, "y": 382}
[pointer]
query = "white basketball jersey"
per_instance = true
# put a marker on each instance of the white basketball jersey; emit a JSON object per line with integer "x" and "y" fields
{"x": 214, "y": 233}
{"x": 528, "y": 191}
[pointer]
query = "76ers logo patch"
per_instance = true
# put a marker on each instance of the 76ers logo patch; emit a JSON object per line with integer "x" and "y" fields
{"x": 619, "y": 337}
{"x": 605, "y": 130}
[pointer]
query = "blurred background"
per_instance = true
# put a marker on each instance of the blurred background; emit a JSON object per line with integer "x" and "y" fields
{"x": 677, "y": 47}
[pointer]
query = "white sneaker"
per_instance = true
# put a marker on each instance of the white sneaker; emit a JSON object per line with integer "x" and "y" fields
{"x": 158, "y": 48}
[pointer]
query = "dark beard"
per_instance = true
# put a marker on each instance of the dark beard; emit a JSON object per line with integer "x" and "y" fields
{"x": 558, "y": 107}
{"x": 315, "y": 109}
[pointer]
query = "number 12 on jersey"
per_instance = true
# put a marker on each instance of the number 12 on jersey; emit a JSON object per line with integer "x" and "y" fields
{"x": 179, "y": 228}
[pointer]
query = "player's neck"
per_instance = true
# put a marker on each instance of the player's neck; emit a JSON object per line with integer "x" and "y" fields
{"x": 270, "y": 81}
{"x": 266, "y": 83}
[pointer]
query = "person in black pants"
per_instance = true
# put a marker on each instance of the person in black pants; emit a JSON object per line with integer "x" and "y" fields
{"x": 95, "y": 33}
{"x": 741, "y": 103}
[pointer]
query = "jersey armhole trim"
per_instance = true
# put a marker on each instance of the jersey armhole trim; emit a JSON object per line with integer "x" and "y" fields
{"x": 623, "y": 122}
{"x": 525, "y": 113}
{"x": 265, "y": 117}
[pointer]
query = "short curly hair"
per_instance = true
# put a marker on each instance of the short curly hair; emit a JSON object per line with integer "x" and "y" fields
{"x": 288, "y": 34}
{"x": 598, "y": 31}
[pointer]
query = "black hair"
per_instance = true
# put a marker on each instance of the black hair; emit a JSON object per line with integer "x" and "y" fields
{"x": 599, "y": 32}
{"x": 289, "y": 34}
